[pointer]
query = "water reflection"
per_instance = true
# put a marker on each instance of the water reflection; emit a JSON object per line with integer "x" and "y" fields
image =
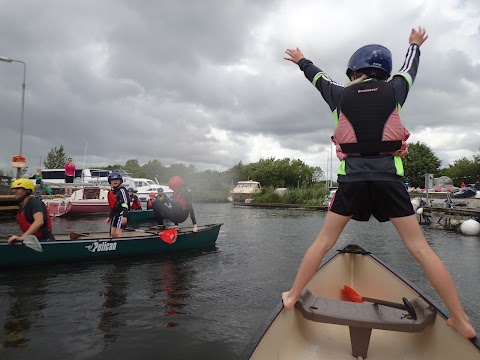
{"x": 115, "y": 296}
{"x": 26, "y": 298}
{"x": 206, "y": 304}
{"x": 169, "y": 282}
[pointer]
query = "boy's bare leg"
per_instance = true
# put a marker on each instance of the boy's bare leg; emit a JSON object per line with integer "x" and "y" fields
{"x": 116, "y": 232}
{"x": 312, "y": 259}
{"x": 436, "y": 272}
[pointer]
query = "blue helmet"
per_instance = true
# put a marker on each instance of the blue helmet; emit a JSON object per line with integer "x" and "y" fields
{"x": 131, "y": 190}
{"x": 375, "y": 57}
{"x": 115, "y": 174}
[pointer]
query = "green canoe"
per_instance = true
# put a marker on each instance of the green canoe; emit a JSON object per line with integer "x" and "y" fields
{"x": 97, "y": 246}
{"x": 141, "y": 215}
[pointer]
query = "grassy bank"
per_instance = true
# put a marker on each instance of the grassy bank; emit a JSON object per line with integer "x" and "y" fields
{"x": 304, "y": 196}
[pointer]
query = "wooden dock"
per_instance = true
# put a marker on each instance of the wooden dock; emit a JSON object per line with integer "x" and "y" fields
{"x": 450, "y": 217}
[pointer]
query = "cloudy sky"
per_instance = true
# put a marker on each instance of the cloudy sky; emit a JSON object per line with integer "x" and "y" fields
{"x": 205, "y": 82}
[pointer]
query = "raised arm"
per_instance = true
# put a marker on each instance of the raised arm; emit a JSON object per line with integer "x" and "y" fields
{"x": 405, "y": 77}
{"x": 331, "y": 91}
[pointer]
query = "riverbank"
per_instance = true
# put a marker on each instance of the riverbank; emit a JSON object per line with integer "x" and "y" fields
{"x": 282, "y": 206}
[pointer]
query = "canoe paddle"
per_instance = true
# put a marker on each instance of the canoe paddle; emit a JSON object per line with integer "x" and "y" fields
{"x": 30, "y": 241}
{"x": 353, "y": 296}
{"x": 76, "y": 235}
{"x": 169, "y": 236}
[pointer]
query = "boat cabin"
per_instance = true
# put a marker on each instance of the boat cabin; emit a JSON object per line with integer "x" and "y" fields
{"x": 244, "y": 190}
{"x": 89, "y": 176}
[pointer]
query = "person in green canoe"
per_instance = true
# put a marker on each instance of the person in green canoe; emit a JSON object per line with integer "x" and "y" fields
{"x": 32, "y": 216}
{"x": 370, "y": 142}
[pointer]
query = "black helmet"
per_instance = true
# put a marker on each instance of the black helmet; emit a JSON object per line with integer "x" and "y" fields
{"x": 114, "y": 175}
{"x": 375, "y": 57}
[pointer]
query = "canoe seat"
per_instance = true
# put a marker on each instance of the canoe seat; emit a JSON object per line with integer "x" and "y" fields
{"x": 361, "y": 318}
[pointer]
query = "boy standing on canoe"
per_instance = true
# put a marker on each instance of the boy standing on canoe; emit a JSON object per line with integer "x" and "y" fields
{"x": 370, "y": 143}
{"x": 119, "y": 202}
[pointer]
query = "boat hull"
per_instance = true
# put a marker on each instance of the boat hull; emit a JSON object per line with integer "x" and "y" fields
{"x": 100, "y": 246}
{"x": 77, "y": 208}
{"x": 141, "y": 215}
{"x": 241, "y": 197}
{"x": 288, "y": 334}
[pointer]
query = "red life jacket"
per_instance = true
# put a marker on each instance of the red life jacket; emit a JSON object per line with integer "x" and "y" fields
{"x": 112, "y": 200}
{"x": 178, "y": 196}
{"x": 149, "y": 203}
{"x": 382, "y": 132}
{"x": 25, "y": 223}
{"x": 136, "y": 204}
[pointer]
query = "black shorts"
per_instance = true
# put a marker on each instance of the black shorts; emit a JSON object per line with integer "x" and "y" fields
{"x": 69, "y": 179}
{"x": 116, "y": 222}
{"x": 382, "y": 199}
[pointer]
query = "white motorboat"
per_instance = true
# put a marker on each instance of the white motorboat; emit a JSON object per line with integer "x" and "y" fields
{"x": 244, "y": 191}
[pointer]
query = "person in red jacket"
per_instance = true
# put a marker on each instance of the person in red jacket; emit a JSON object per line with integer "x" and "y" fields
{"x": 135, "y": 203}
{"x": 32, "y": 216}
{"x": 69, "y": 171}
{"x": 151, "y": 199}
{"x": 179, "y": 207}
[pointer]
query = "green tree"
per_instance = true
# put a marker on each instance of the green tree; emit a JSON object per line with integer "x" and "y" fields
{"x": 420, "y": 161}
{"x": 276, "y": 172}
{"x": 238, "y": 172}
{"x": 133, "y": 167}
{"x": 463, "y": 170}
{"x": 56, "y": 158}
{"x": 155, "y": 170}
{"x": 187, "y": 173}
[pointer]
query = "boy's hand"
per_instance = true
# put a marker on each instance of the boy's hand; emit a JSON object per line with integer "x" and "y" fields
{"x": 418, "y": 36}
{"x": 295, "y": 55}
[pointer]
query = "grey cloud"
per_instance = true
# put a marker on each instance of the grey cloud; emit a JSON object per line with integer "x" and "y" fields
{"x": 149, "y": 80}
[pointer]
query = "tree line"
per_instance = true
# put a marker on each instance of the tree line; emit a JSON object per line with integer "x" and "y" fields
{"x": 289, "y": 173}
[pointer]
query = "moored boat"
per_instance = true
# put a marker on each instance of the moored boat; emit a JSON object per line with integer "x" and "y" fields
{"x": 100, "y": 245}
{"x": 83, "y": 201}
{"x": 144, "y": 186}
{"x": 244, "y": 190}
{"x": 324, "y": 325}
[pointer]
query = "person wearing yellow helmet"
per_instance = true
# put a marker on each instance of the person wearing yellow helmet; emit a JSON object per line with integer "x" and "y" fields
{"x": 32, "y": 216}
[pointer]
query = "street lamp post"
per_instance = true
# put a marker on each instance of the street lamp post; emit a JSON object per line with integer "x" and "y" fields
{"x": 5, "y": 59}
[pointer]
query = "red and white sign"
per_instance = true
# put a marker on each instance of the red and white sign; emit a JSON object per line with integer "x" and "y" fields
{"x": 19, "y": 161}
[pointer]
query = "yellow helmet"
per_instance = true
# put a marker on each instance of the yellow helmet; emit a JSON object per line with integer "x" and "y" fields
{"x": 27, "y": 184}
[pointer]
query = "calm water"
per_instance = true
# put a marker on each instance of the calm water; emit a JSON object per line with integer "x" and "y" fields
{"x": 199, "y": 305}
